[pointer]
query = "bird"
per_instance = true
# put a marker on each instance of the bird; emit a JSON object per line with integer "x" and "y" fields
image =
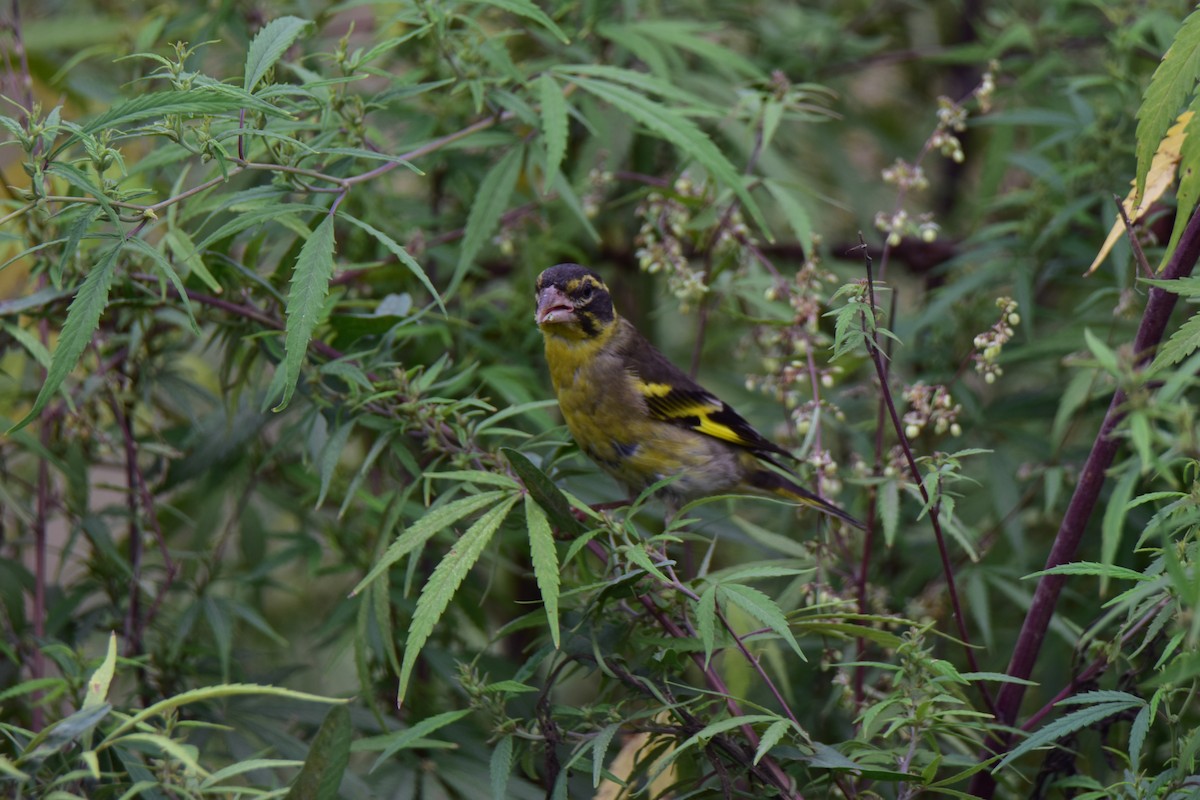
{"x": 642, "y": 419}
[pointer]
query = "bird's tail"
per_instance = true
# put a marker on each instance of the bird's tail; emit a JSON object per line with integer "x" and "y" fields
{"x": 769, "y": 481}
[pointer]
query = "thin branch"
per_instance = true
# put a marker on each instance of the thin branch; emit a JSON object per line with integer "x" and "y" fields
{"x": 1138, "y": 254}
{"x": 875, "y": 353}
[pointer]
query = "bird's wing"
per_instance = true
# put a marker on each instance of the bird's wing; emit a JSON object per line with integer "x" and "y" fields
{"x": 672, "y": 396}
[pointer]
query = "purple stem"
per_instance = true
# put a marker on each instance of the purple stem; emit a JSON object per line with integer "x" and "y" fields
{"x": 1087, "y": 494}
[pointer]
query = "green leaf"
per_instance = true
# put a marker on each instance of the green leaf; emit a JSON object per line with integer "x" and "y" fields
{"x": 331, "y": 453}
{"x": 242, "y": 767}
{"x": 1184, "y": 287}
{"x": 771, "y": 737}
{"x": 500, "y": 767}
{"x": 476, "y": 476}
{"x": 1173, "y": 82}
{"x": 679, "y": 131}
{"x": 306, "y": 301}
{"x": 491, "y": 200}
{"x": 438, "y": 519}
{"x": 1183, "y": 342}
{"x": 1070, "y": 723}
{"x": 1093, "y": 568}
{"x": 554, "y": 127}
{"x": 75, "y": 233}
{"x": 1137, "y": 738}
{"x": 269, "y": 45}
{"x": 208, "y": 694}
{"x": 798, "y": 218}
{"x": 328, "y": 756}
{"x": 97, "y": 685}
{"x": 758, "y": 605}
{"x": 1115, "y": 511}
{"x": 527, "y": 9}
{"x": 1103, "y": 353}
{"x": 201, "y": 100}
{"x": 547, "y": 495}
{"x": 394, "y": 742}
{"x": 245, "y": 218}
{"x": 545, "y": 562}
{"x": 706, "y": 621}
{"x": 401, "y": 255}
{"x": 1188, "y": 189}
{"x": 83, "y": 317}
{"x": 600, "y": 749}
{"x": 444, "y": 582}
{"x": 693, "y": 37}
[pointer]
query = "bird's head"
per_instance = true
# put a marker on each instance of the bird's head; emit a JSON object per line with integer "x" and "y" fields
{"x": 572, "y": 302}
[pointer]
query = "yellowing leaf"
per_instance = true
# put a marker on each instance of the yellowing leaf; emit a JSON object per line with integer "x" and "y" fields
{"x": 1160, "y": 178}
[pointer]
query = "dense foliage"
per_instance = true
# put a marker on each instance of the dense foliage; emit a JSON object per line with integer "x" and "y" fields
{"x": 286, "y": 508}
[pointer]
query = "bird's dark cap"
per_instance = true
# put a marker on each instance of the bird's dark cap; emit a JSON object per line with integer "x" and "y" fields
{"x": 562, "y": 274}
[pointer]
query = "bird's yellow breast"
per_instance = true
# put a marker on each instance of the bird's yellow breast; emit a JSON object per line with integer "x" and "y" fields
{"x": 608, "y": 417}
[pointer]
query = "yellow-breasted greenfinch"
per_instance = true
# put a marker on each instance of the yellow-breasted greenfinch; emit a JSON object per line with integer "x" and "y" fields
{"x": 641, "y": 418}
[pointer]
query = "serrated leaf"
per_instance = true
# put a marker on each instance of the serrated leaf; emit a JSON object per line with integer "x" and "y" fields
{"x": 245, "y": 218}
{"x": 554, "y": 126}
{"x": 1184, "y": 287}
{"x": 75, "y": 233}
{"x": 797, "y": 216}
{"x": 543, "y": 490}
{"x": 545, "y": 562}
{"x": 164, "y": 266}
{"x": 210, "y": 693}
{"x": 758, "y": 605}
{"x": 328, "y": 756}
{"x": 1183, "y": 342}
{"x": 1068, "y": 724}
{"x": 1173, "y": 82}
{"x": 331, "y": 453}
{"x": 1137, "y": 738}
{"x": 679, "y": 131}
{"x": 447, "y": 576}
{"x": 402, "y": 255}
{"x": 269, "y": 45}
{"x": 527, "y": 9}
{"x": 83, "y": 317}
{"x": 1189, "y": 179}
{"x": 438, "y": 519}
{"x": 771, "y": 737}
{"x": 500, "y": 767}
{"x": 396, "y": 741}
{"x": 203, "y": 100}
{"x": 491, "y": 200}
{"x": 1093, "y": 568}
{"x": 476, "y": 476}
{"x": 600, "y": 749}
{"x": 690, "y": 36}
{"x": 306, "y": 301}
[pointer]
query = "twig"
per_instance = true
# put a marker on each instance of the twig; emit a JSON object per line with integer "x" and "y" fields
{"x": 1138, "y": 254}
{"x": 875, "y": 353}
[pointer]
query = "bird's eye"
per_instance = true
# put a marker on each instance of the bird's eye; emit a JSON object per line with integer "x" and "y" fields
{"x": 585, "y": 292}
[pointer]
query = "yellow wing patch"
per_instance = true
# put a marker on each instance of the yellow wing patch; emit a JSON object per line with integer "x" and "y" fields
{"x": 702, "y": 412}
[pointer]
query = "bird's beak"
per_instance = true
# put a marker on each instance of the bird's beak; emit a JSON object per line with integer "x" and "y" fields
{"x": 553, "y": 306}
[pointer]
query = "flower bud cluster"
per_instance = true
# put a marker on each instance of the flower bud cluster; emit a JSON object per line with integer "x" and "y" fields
{"x": 598, "y": 183}
{"x": 930, "y": 406}
{"x": 989, "y": 343}
{"x": 900, "y": 224}
{"x": 660, "y": 240}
